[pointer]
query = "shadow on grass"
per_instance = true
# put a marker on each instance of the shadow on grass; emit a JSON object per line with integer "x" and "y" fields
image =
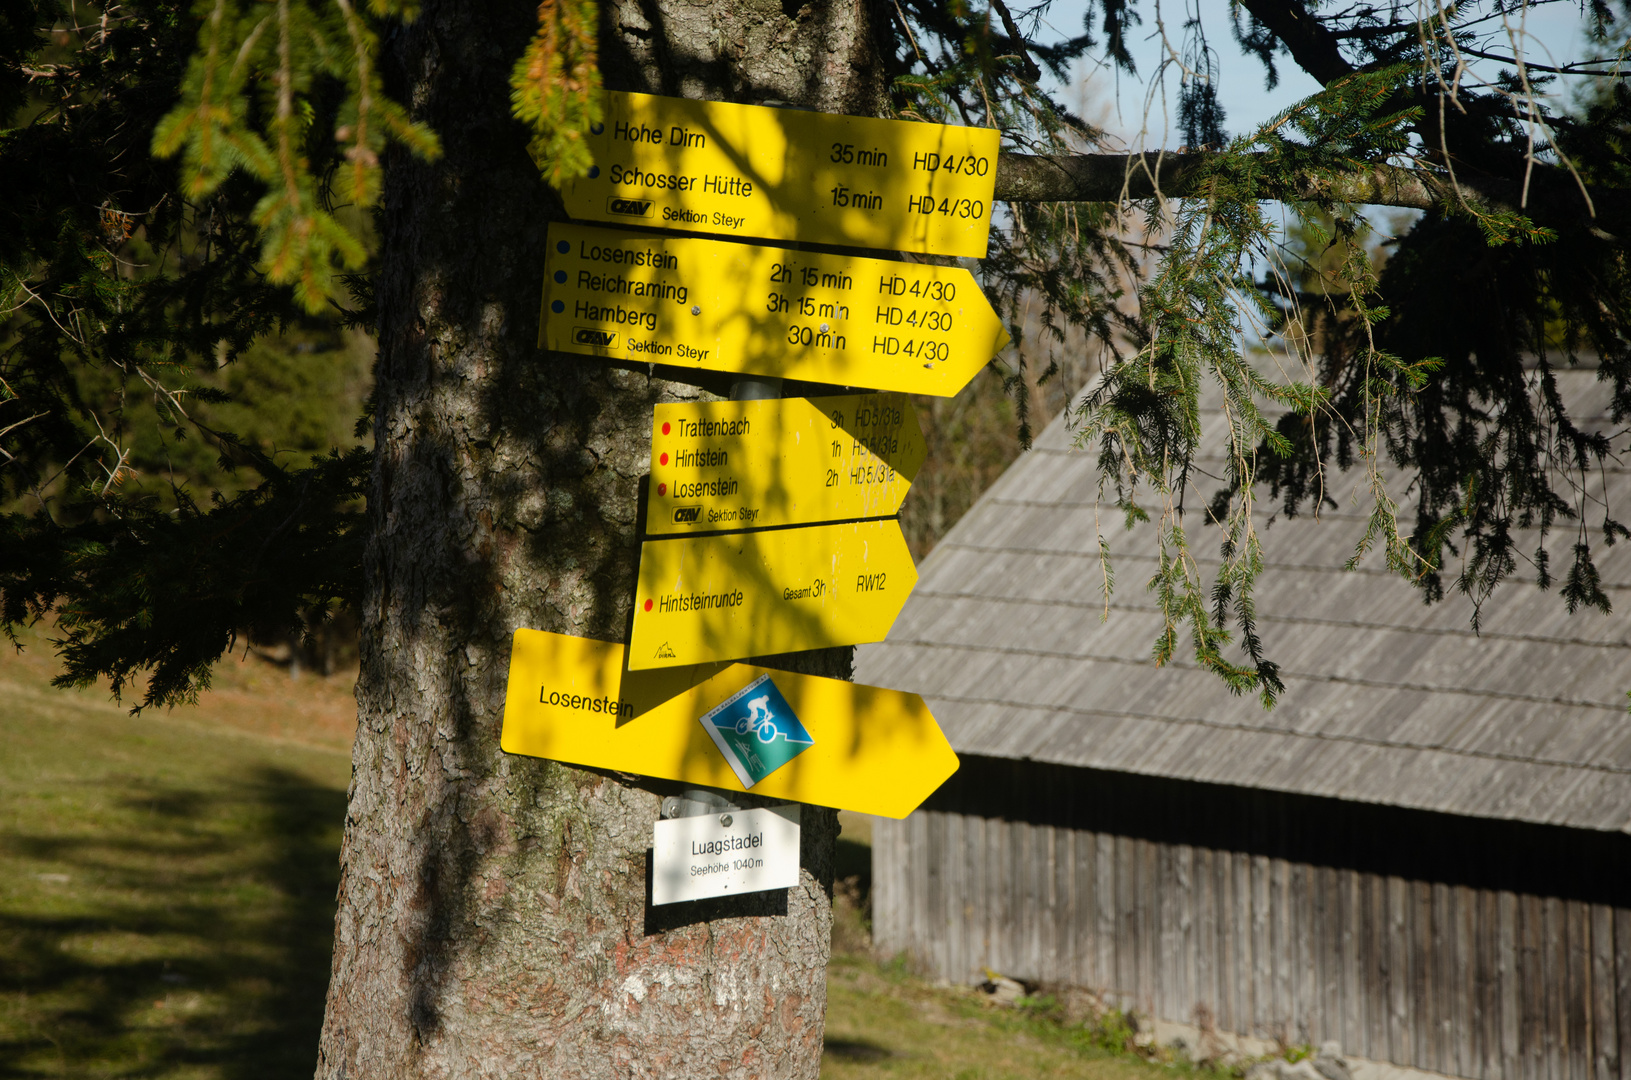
{"x": 856, "y": 1050}
{"x": 192, "y": 929}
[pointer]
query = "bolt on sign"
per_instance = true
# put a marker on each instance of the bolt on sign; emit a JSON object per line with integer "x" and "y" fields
{"x": 853, "y": 747}
{"x": 731, "y": 465}
{"x": 726, "y": 596}
{"x": 784, "y": 174}
{"x": 843, "y": 320}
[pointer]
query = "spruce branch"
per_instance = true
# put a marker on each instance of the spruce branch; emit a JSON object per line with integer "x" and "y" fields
{"x": 555, "y": 88}
{"x": 217, "y": 134}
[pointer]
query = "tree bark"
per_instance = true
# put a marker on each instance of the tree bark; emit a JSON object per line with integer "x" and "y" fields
{"x": 492, "y": 909}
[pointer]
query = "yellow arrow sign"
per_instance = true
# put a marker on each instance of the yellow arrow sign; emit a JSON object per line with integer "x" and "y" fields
{"x": 730, "y": 595}
{"x": 782, "y": 174}
{"x": 836, "y": 319}
{"x": 871, "y": 750}
{"x": 752, "y": 464}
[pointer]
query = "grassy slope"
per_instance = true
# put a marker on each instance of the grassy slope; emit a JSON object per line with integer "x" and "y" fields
{"x": 166, "y": 883}
{"x": 167, "y": 890}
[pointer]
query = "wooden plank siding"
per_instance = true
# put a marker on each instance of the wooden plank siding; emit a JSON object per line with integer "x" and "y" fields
{"x": 1483, "y": 949}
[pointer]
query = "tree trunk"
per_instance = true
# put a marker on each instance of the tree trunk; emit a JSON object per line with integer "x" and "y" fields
{"x": 492, "y": 909}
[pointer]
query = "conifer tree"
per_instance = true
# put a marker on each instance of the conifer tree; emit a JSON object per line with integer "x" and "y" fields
{"x": 180, "y": 183}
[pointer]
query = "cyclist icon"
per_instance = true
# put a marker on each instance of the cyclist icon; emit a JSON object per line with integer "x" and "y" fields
{"x": 759, "y": 720}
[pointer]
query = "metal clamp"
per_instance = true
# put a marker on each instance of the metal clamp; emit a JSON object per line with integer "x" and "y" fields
{"x": 756, "y": 388}
{"x": 697, "y": 802}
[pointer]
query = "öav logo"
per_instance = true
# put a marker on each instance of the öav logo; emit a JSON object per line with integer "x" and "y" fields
{"x": 665, "y": 651}
{"x": 756, "y": 731}
{"x": 588, "y": 335}
{"x": 687, "y": 515}
{"x": 640, "y": 208}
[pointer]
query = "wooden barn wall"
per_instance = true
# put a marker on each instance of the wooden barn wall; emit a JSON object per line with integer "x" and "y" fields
{"x": 1475, "y": 948}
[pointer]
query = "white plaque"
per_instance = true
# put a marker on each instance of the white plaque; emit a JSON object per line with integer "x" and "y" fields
{"x": 734, "y": 851}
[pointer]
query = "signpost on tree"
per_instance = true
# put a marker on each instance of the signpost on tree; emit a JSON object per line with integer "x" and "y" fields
{"x": 770, "y": 523}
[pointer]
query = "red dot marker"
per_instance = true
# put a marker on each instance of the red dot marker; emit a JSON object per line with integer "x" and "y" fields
{"x": 648, "y": 605}
{"x": 663, "y": 460}
{"x": 665, "y": 427}
{"x": 662, "y": 489}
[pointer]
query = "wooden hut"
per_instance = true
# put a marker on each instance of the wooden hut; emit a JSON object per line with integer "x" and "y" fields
{"x": 1421, "y": 853}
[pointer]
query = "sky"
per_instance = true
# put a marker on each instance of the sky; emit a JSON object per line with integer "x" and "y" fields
{"x": 1116, "y": 101}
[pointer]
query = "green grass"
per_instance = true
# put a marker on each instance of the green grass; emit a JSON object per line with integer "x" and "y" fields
{"x": 166, "y": 891}
{"x": 883, "y": 1023}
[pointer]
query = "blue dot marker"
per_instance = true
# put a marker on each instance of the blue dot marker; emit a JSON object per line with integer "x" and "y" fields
{"x": 560, "y": 277}
{"x": 596, "y": 129}
{"x": 557, "y": 307}
{"x": 594, "y": 171}
{"x": 562, "y": 246}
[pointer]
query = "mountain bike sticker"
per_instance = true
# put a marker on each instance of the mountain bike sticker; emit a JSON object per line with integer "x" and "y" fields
{"x": 756, "y": 730}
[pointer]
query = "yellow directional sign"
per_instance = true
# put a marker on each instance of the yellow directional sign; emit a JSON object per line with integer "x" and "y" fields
{"x": 836, "y": 319}
{"x": 718, "y": 465}
{"x": 731, "y": 595}
{"x": 855, "y": 748}
{"x": 783, "y": 174}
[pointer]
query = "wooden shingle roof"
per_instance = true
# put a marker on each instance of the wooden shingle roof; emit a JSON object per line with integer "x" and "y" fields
{"x": 1387, "y": 700}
